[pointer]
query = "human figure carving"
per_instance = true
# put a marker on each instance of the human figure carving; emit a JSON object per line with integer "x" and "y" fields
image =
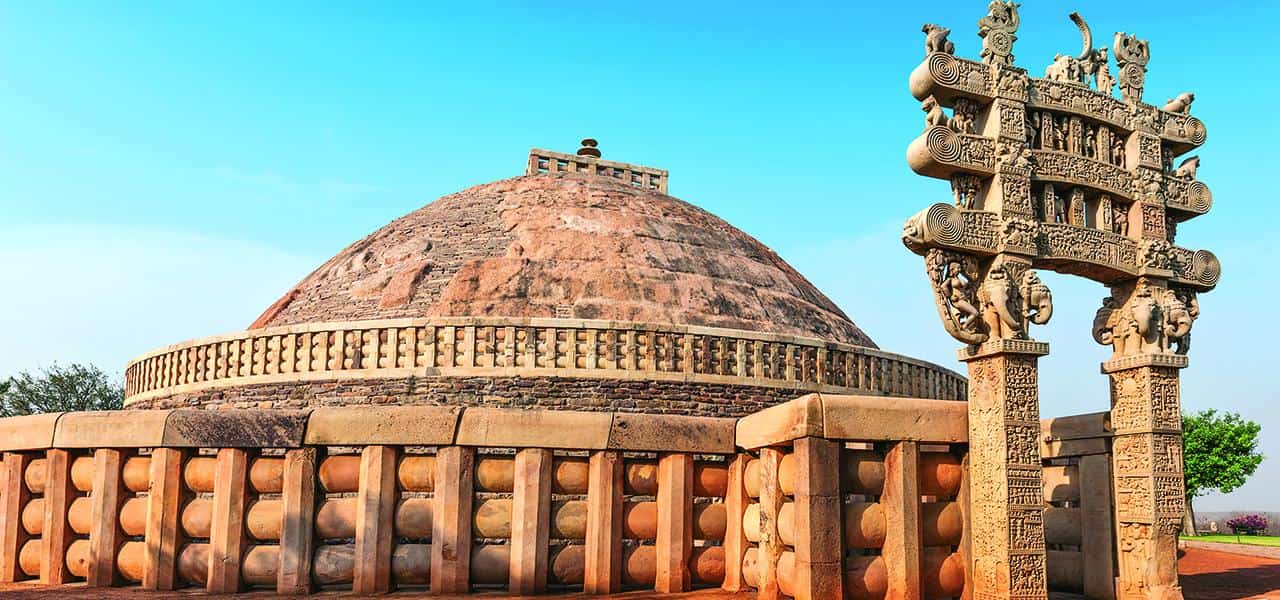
{"x": 1180, "y": 104}
{"x": 1060, "y": 135}
{"x": 1059, "y": 207}
{"x": 964, "y": 113}
{"x": 1090, "y": 142}
{"x": 1187, "y": 169}
{"x": 1032, "y": 127}
{"x": 935, "y": 39}
{"x": 953, "y": 285}
{"x": 1103, "y": 76}
{"x": 964, "y": 189}
{"x": 933, "y": 115}
{"x": 1120, "y": 220}
{"x": 1117, "y": 152}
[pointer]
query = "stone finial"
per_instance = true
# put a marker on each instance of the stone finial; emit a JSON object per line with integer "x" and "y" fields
{"x": 589, "y": 148}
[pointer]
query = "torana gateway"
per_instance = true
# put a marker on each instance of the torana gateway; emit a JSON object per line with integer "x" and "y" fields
{"x": 571, "y": 382}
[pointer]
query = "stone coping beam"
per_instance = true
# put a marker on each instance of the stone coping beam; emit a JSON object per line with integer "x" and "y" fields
{"x": 1076, "y": 435}
{"x": 855, "y": 418}
{"x": 369, "y": 425}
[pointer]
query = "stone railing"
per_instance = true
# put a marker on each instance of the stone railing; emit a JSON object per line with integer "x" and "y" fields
{"x": 463, "y": 500}
{"x": 891, "y": 474}
{"x": 1078, "y": 516}
{"x": 493, "y": 347}
{"x": 366, "y": 499}
{"x": 638, "y": 176}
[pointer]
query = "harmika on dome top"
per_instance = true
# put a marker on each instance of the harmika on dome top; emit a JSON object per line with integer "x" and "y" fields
{"x": 581, "y": 285}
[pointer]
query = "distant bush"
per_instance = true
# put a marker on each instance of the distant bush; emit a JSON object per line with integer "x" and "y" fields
{"x": 1248, "y": 524}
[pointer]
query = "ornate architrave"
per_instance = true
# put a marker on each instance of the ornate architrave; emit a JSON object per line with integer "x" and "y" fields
{"x": 1058, "y": 173}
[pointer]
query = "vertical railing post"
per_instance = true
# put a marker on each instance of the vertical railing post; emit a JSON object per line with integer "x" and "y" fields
{"x": 735, "y": 539}
{"x": 375, "y": 521}
{"x": 57, "y": 535}
{"x": 770, "y": 547}
{"x": 530, "y": 522}
{"x": 105, "y": 535}
{"x": 819, "y": 565}
{"x": 227, "y": 538}
{"x": 12, "y": 535}
{"x": 674, "y": 542}
{"x": 966, "y": 534}
{"x": 603, "y": 562}
{"x": 451, "y": 521}
{"x": 901, "y": 502}
{"x": 164, "y": 531}
{"x": 1097, "y": 518}
{"x": 297, "y": 535}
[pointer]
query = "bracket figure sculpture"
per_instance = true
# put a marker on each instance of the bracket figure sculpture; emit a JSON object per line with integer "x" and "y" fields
{"x": 1057, "y": 173}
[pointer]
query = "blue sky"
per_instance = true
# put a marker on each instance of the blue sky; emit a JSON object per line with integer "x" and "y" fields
{"x": 166, "y": 171}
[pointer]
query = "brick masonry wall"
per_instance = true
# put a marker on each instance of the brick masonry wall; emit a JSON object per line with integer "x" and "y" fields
{"x": 657, "y": 397}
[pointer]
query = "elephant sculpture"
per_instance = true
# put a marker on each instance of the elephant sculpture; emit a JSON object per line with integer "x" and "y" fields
{"x": 1146, "y": 332}
{"x": 1104, "y": 322}
{"x": 1001, "y": 310}
{"x": 1177, "y": 323}
{"x": 1037, "y": 301}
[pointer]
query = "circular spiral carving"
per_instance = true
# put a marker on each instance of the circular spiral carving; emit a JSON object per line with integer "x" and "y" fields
{"x": 1205, "y": 267}
{"x": 1196, "y": 131}
{"x": 944, "y": 69}
{"x": 1199, "y": 197}
{"x": 1133, "y": 75}
{"x": 1001, "y": 42}
{"x": 944, "y": 224}
{"x": 943, "y": 144}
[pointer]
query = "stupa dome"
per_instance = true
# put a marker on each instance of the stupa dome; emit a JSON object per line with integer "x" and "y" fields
{"x": 567, "y": 246}
{"x": 580, "y": 285}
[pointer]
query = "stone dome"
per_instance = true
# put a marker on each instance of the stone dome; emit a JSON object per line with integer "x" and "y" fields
{"x": 579, "y": 286}
{"x": 565, "y": 246}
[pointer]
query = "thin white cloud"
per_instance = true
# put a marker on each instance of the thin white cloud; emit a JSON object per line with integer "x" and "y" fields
{"x": 99, "y": 295}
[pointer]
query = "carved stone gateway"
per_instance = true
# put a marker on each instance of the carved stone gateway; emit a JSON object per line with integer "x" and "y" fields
{"x": 1059, "y": 174}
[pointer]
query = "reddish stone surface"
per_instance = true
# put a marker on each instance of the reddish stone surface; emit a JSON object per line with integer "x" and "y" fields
{"x": 27, "y": 591}
{"x": 555, "y": 393}
{"x": 569, "y": 246}
{"x": 1205, "y": 575}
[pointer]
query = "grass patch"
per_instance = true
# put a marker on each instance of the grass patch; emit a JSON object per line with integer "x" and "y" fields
{"x": 1226, "y": 538}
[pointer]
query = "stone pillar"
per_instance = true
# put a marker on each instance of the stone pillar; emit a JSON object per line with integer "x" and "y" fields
{"x": 297, "y": 530}
{"x": 1147, "y": 474}
{"x": 1005, "y": 483}
{"x": 602, "y": 566}
{"x": 164, "y": 533}
{"x": 227, "y": 536}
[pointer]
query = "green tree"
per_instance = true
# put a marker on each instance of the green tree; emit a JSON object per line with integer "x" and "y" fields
{"x": 1219, "y": 452}
{"x": 59, "y": 389}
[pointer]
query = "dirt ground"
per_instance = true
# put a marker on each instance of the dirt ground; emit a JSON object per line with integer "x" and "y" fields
{"x": 1209, "y": 575}
{"x": 1206, "y": 575}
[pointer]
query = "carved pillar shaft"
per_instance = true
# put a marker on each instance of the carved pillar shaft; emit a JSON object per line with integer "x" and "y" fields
{"x": 1147, "y": 473}
{"x": 1006, "y": 486}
